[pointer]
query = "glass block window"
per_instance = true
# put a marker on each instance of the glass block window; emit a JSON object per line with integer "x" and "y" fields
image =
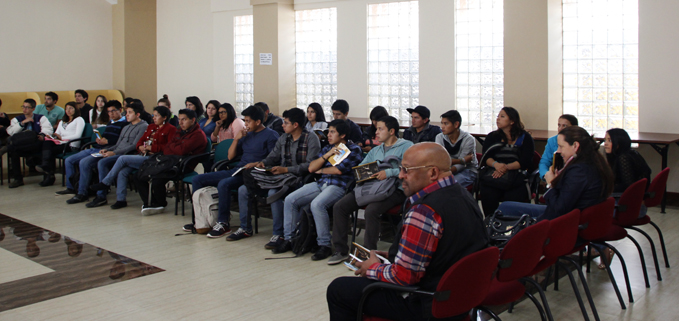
{"x": 479, "y": 55}
{"x": 243, "y": 62}
{"x": 600, "y": 63}
{"x": 316, "y": 61}
{"x": 393, "y": 57}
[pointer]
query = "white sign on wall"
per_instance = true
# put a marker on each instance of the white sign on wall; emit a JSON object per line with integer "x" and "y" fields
{"x": 265, "y": 59}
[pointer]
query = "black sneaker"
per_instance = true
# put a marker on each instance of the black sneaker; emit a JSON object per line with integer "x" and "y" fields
{"x": 188, "y": 227}
{"x": 99, "y": 187}
{"x": 66, "y": 192}
{"x": 16, "y": 183}
{"x": 274, "y": 242}
{"x": 78, "y": 198}
{"x": 322, "y": 253}
{"x": 118, "y": 204}
{"x": 47, "y": 181}
{"x": 285, "y": 246}
{"x": 239, "y": 235}
{"x": 98, "y": 201}
{"x": 220, "y": 229}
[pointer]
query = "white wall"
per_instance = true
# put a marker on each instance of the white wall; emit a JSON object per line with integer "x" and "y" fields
{"x": 55, "y": 45}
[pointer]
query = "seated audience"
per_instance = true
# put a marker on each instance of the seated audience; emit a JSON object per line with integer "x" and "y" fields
{"x": 315, "y": 118}
{"x": 340, "y": 110}
{"x": 156, "y": 136}
{"x": 271, "y": 121}
{"x": 514, "y": 154}
{"x": 98, "y": 115}
{"x": 431, "y": 237}
{"x": 50, "y": 109}
{"x": 144, "y": 115}
{"x": 109, "y": 138}
{"x": 461, "y": 146}
{"x": 81, "y": 97}
{"x": 323, "y": 193}
{"x": 228, "y": 125}
{"x": 420, "y": 129}
{"x": 293, "y": 152}
{"x": 126, "y": 143}
{"x": 391, "y": 146}
{"x": 165, "y": 101}
{"x": 208, "y": 123}
{"x": 547, "y": 159}
{"x": 627, "y": 164}
{"x": 27, "y": 121}
{"x": 70, "y": 127}
{"x": 369, "y": 139}
{"x": 190, "y": 140}
{"x": 193, "y": 103}
{"x": 585, "y": 179}
{"x": 252, "y": 144}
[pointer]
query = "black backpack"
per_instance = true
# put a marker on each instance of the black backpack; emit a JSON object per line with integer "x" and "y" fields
{"x": 160, "y": 166}
{"x": 304, "y": 238}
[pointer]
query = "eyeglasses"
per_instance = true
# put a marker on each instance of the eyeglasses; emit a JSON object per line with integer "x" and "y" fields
{"x": 223, "y": 112}
{"x": 406, "y": 169}
{"x": 112, "y": 111}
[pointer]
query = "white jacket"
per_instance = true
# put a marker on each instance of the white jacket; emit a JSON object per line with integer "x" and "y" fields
{"x": 72, "y": 130}
{"x": 45, "y": 127}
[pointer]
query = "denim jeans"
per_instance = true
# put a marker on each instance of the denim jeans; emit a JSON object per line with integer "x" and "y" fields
{"x": 73, "y": 160}
{"x": 104, "y": 166}
{"x": 225, "y": 183}
{"x": 321, "y": 199}
{"x": 465, "y": 178}
{"x": 517, "y": 209}
{"x": 123, "y": 167}
{"x": 276, "y": 211}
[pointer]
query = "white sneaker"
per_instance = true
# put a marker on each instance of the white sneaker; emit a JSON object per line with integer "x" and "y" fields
{"x": 146, "y": 211}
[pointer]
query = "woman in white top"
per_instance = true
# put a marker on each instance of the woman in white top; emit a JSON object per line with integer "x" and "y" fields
{"x": 98, "y": 115}
{"x": 315, "y": 117}
{"x": 69, "y": 128}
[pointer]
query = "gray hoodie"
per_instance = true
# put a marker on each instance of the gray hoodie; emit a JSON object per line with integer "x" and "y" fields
{"x": 129, "y": 137}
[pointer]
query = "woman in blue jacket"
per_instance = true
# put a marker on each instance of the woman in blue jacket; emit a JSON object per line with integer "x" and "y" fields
{"x": 547, "y": 159}
{"x": 585, "y": 180}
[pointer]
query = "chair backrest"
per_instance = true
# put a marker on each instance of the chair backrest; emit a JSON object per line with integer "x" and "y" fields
{"x": 222, "y": 150}
{"x": 536, "y": 161}
{"x": 87, "y": 131}
{"x": 596, "y": 220}
{"x": 523, "y": 252}
{"x": 657, "y": 189}
{"x": 208, "y": 146}
{"x": 465, "y": 285}
{"x": 630, "y": 202}
{"x": 563, "y": 233}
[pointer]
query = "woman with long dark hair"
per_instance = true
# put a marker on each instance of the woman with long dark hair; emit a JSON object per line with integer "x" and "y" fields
{"x": 228, "y": 124}
{"x": 315, "y": 118}
{"x": 584, "y": 180}
{"x": 98, "y": 115}
{"x": 208, "y": 123}
{"x": 193, "y": 103}
{"x": 508, "y": 152}
{"x": 70, "y": 127}
{"x": 369, "y": 139}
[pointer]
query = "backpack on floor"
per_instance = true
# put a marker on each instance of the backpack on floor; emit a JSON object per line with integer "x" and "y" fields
{"x": 206, "y": 209}
{"x": 304, "y": 238}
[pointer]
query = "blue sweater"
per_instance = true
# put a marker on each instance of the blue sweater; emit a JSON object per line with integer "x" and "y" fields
{"x": 254, "y": 147}
{"x": 207, "y": 129}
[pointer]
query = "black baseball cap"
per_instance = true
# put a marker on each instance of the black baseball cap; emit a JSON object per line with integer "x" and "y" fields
{"x": 421, "y": 110}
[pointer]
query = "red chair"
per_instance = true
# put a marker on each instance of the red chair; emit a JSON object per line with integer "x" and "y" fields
{"x": 654, "y": 197}
{"x": 518, "y": 259}
{"x": 460, "y": 289}
{"x": 563, "y": 233}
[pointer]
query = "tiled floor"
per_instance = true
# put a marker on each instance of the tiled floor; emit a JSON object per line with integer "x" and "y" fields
{"x": 207, "y": 279}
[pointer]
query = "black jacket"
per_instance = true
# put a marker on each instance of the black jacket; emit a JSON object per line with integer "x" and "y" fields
{"x": 580, "y": 186}
{"x": 428, "y": 134}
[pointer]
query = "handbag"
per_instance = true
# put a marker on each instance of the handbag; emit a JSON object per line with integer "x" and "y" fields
{"x": 23, "y": 138}
{"x": 502, "y": 228}
{"x": 257, "y": 181}
{"x": 507, "y": 181}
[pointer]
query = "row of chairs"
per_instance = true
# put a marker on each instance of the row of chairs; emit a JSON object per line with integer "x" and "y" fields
{"x": 493, "y": 277}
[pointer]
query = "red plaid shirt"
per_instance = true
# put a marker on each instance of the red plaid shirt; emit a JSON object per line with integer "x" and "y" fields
{"x": 420, "y": 235}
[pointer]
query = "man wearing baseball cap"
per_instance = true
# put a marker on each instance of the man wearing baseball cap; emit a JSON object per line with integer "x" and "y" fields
{"x": 420, "y": 129}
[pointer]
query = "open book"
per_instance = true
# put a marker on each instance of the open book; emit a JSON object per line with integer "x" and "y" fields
{"x": 344, "y": 153}
{"x": 56, "y": 141}
{"x": 361, "y": 254}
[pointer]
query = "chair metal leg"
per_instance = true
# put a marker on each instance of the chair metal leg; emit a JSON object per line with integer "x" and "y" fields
{"x": 184, "y": 186}
{"x": 489, "y": 312}
{"x": 353, "y": 232}
{"x": 642, "y": 259}
{"x": 584, "y": 286}
{"x": 543, "y": 316}
{"x": 543, "y": 297}
{"x": 600, "y": 248}
{"x": 577, "y": 292}
{"x": 662, "y": 244}
{"x": 150, "y": 191}
{"x": 177, "y": 190}
{"x": 655, "y": 255}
